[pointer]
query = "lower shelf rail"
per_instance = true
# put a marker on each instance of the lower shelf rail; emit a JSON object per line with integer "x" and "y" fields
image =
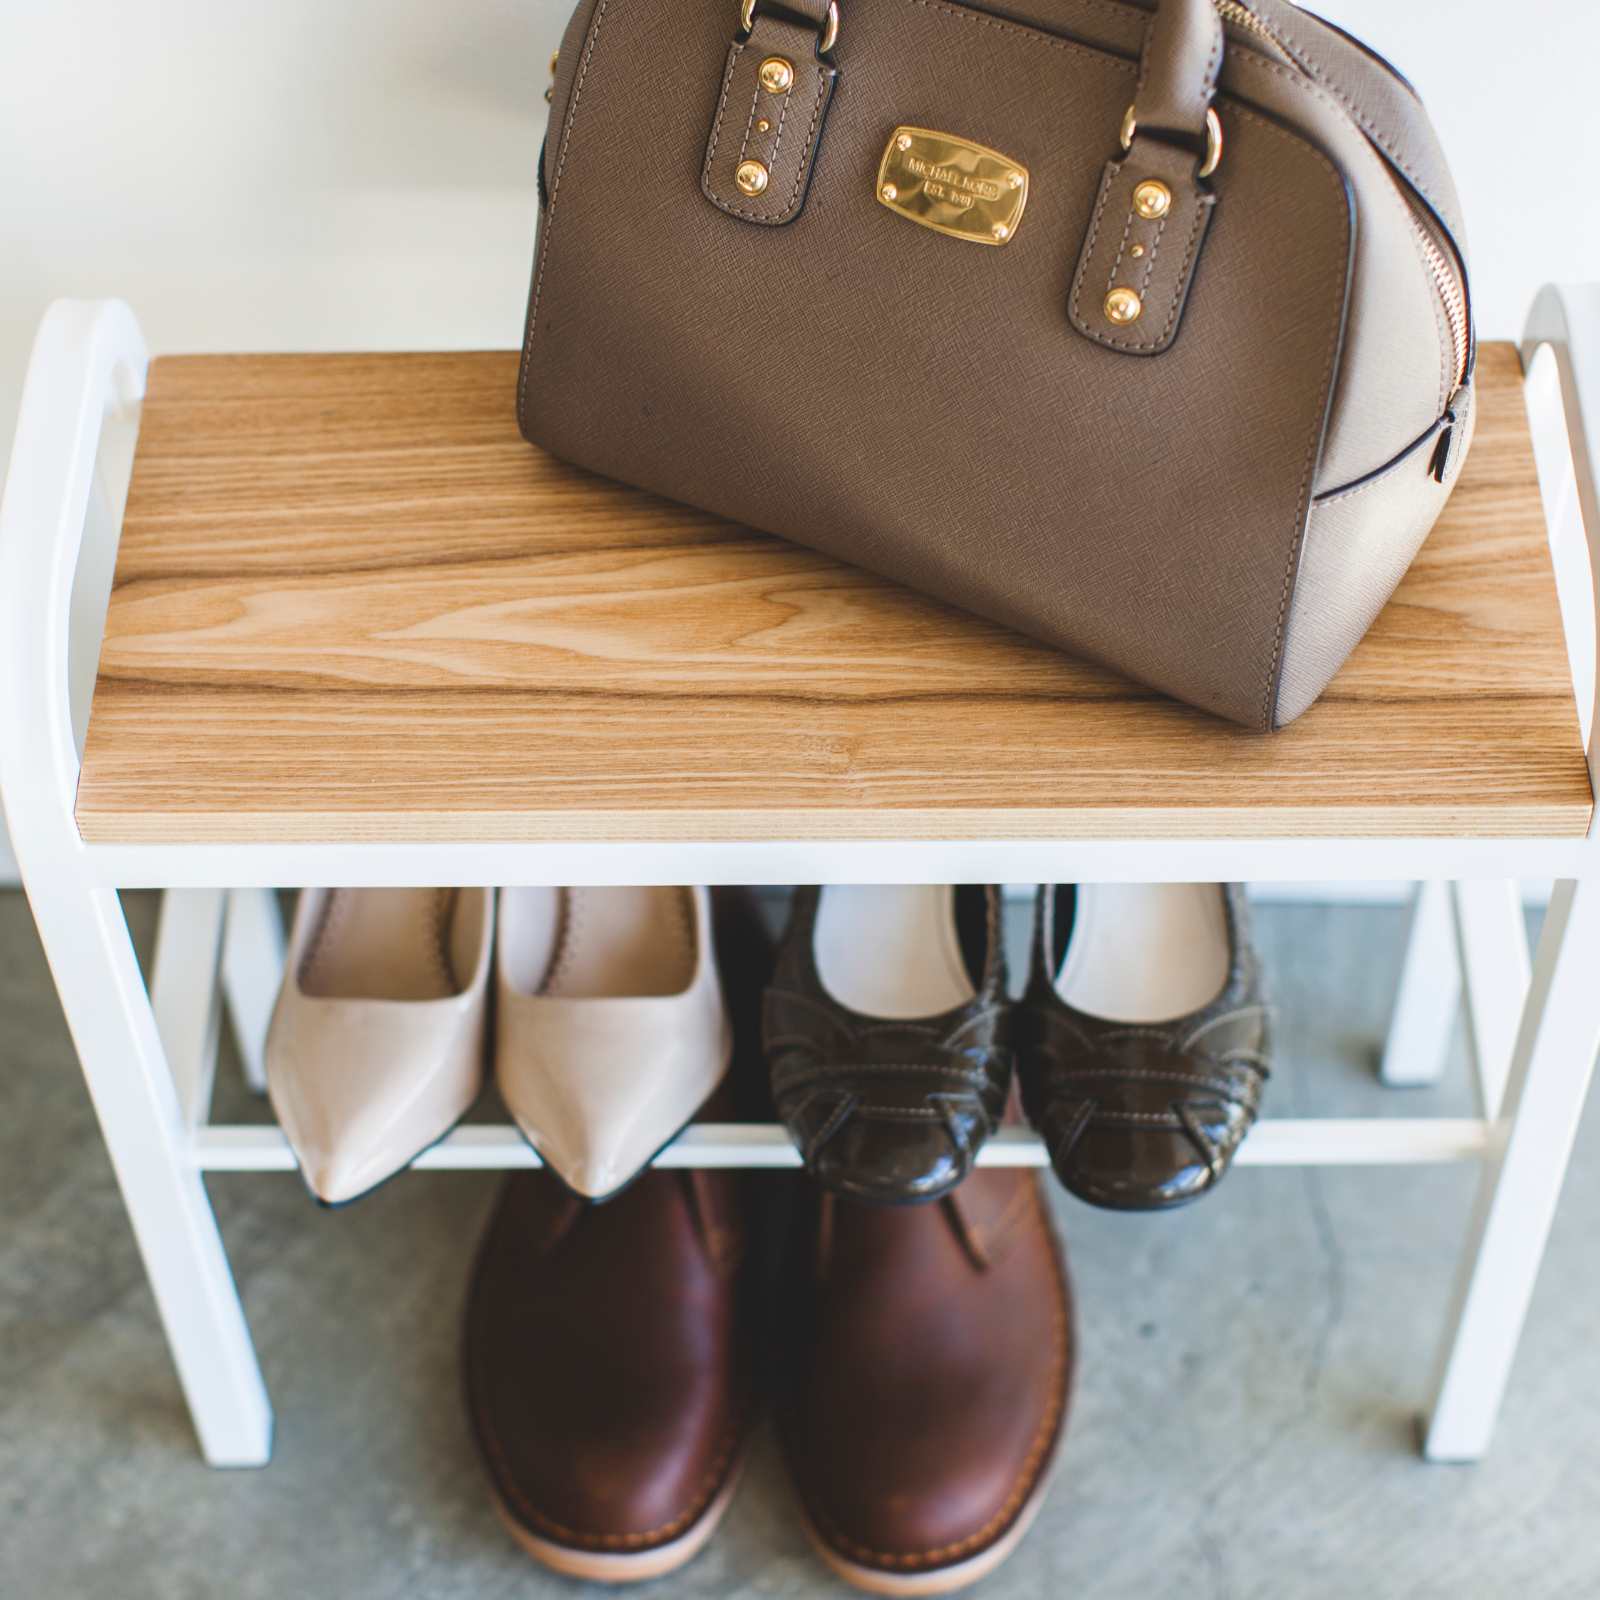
{"x": 1277, "y": 1142}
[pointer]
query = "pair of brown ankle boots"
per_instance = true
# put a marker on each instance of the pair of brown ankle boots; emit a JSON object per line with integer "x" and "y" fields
{"x": 918, "y": 1359}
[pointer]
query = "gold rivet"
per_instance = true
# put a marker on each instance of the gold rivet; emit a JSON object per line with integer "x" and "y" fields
{"x": 889, "y": 192}
{"x": 1136, "y": 251}
{"x": 903, "y": 142}
{"x": 1001, "y": 232}
{"x": 751, "y": 177}
{"x": 776, "y": 74}
{"x": 1152, "y": 200}
{"x": 1015, "y": 180}
{"x": 1123, "y": 306}
{"x": 762, "y": 125}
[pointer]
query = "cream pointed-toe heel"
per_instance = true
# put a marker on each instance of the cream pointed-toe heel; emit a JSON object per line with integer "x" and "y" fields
{"x": 376, "y": 1044}
{"x": 610, "y": 1025}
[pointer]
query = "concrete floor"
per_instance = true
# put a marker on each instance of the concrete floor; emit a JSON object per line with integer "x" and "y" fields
{"x": 1251, "y": 1368}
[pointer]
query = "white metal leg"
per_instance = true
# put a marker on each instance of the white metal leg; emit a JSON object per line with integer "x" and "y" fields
{"x": 89, "y": 361}
{"x": 1429, "y": 995}
{"x": 1493, "y": 945}
{"x": 1466, "y": 941}
{"x": 252, "y": 967}
{"x": 1559, "y": 1031}
{"x": 183, "y": 991}
{"x": 1565, "y": 321}
{"x": 1549, "y": 1079}
{"x": 146, "y": 1131}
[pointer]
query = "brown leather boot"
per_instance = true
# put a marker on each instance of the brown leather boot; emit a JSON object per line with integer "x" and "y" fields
{"x": 606, "y": 1363}
{"x": 927, "y": 1381}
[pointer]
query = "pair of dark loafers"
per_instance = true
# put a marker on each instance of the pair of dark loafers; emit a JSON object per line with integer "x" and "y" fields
{"x": 1140, "y": 1044}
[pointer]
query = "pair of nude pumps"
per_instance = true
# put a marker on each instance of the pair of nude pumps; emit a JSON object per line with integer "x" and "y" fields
{"x": 609, "y": 1026}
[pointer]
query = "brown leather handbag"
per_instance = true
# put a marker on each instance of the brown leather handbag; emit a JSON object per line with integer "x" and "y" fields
{"x": 1140, "y": 327}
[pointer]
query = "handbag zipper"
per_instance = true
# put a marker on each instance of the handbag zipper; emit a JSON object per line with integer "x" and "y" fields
{"x": 1242, "y": 17}
{"x": 1447, "y": 281}
{"x": 1446, "y": 276}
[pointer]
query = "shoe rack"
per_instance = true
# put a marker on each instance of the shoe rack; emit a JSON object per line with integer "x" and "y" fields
{"x": 355, "y": 632}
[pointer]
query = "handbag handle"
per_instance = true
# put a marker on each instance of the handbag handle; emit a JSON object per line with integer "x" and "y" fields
{"x": 1178, "y": 68}
{"x": 1133, "y": 281}
{"x": 1178, "y": 76}
{"x": 1177, "y": 71}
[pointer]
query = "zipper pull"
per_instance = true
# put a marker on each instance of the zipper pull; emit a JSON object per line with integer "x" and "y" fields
{"x": 1444, "y": 448}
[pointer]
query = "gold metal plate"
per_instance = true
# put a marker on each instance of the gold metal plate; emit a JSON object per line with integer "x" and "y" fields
{"x": 952, "y": 185}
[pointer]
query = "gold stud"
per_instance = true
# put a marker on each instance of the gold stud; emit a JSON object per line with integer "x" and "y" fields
{"x": 762, "y": 125}
{"x": 889, "y": 192}
{"x": 1152, "y": 200}
{"x": 903, "y": 142}
{"x": 1136, "y": 251}
{"x": 751, "y": 177}
{"x": 1015, "y": 180}
{"x": 1001, "y": 232}
{"x": 776, "y": 74}
{"x": 1123, "y": 306}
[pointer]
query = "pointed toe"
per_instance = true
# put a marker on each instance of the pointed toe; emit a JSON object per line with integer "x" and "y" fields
{"x": 335, "y": 1178}
{"x": 591, "y": 1148}
{"x": 361, "y": 1078}
{"x": 611, "y": 1028}
{"x": 590, "y": 1180}
{"x": 590, "y": 1172}
{"x": 351, "y": 1131}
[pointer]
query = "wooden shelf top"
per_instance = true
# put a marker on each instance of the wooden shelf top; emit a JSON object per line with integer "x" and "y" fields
{"x": 352, "y": 604}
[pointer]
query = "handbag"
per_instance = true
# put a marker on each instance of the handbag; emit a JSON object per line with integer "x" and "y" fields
{"x": 1142, "y": 328}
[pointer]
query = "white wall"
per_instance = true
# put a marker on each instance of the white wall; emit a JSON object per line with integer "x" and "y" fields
{"x": 302, "y": 174}
{"x": 1512, "y": 87}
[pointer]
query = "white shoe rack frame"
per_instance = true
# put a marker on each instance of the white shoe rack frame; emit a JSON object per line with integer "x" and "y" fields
{"x": 148, "y": 1051}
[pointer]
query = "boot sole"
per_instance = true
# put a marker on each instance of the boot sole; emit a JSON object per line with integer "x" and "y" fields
{"x": 631, "y": 1566}
{"x": 936, "y": 1580}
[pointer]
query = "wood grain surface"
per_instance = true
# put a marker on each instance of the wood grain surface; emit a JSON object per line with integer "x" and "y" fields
{"x": 351, "y": 603}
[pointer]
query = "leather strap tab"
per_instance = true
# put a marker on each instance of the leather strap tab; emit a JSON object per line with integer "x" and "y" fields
{"x": 1144, "y": 242}
{"x": 765, "y": 130}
